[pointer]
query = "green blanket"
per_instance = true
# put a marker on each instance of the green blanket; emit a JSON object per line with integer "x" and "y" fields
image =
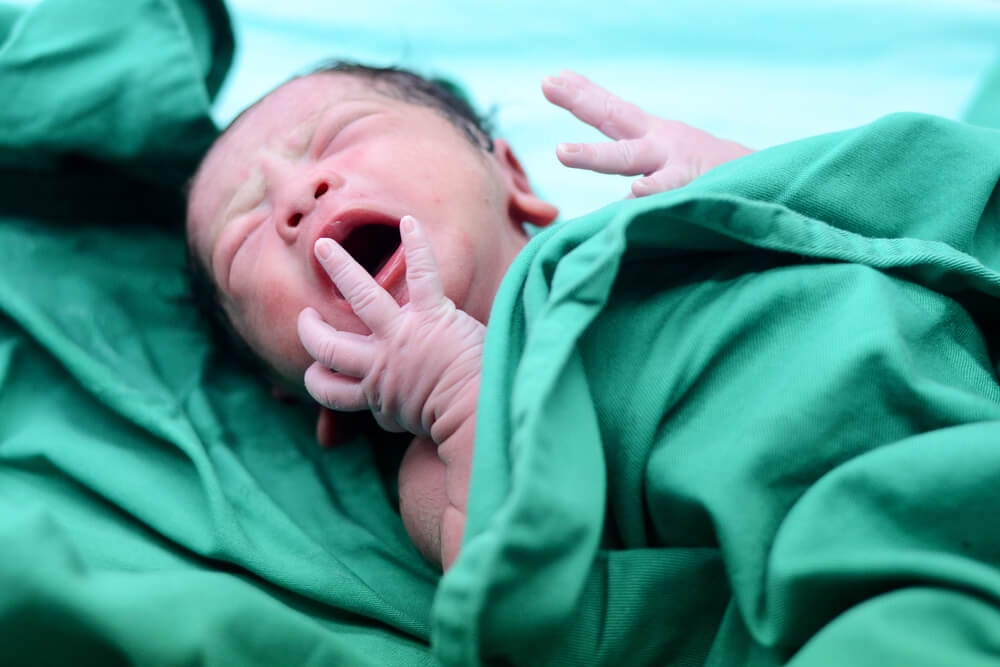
{"x": 750, "y": 422}
{"x": 754, "y": 421}
{"x": 157, "y": 506}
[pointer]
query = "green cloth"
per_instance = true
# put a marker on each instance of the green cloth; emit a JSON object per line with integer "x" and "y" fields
{"x": 157, "y": 506}
{"x": 129, "y": 83}
{"x": 753, "y": 421}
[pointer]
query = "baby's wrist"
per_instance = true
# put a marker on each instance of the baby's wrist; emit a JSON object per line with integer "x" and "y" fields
{"x": 455, "y": 403}
{"x": 732, "y": 150}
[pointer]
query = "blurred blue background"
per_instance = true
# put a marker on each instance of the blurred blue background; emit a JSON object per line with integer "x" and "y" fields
{"x": 761, "y": 72}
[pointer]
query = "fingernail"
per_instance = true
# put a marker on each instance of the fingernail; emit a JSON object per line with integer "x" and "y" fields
{"x": 323, "y": 249}
{"x": 407, "y": 224}
{"x": 555, "y": 81}
{"x": 569, "y": 148}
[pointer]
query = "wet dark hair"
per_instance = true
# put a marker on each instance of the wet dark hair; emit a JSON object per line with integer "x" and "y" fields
{"x": 441, "y": 95}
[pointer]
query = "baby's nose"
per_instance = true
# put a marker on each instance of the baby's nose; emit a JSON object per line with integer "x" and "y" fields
{"x": 295, "y": 216}
{"x": 301, "y": 200}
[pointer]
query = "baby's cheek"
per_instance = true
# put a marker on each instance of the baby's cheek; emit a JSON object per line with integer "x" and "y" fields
{"x": 272, "y": 332}
{"x": 458, "y": 259}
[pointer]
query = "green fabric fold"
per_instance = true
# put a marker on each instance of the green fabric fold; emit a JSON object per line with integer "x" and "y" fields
{"x": 753, "y": 421}
{"x": 157, "y": 506}
{"x": 128, "y": 84}
{"x": 749, "y": 421}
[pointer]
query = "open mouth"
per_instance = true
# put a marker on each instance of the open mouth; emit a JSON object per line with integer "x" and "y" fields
{"x": 373, "y": 240}
{"x": 372, "y": 246}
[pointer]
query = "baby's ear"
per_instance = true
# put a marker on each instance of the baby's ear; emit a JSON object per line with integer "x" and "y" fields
{"x": 524, "y": 204}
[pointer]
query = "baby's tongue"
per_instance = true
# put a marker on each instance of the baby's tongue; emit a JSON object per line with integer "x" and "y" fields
{"x": 372, "y": 245}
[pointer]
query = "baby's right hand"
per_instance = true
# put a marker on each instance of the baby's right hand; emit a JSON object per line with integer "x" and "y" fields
{"x": 669, "y": 153}
{"x": 418, "y": 371}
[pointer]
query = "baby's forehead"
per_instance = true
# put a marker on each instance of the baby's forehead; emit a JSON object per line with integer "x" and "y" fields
{"x": 288, "y": 115}
{"x": 290, "y": 112}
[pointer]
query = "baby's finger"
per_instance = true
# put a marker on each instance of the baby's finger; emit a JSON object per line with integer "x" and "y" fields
{"x": 387, "y": 423}
{"x": 628, "y": 158}
{"x": 423, "y": 281}
{"x": 372, "y": 304}
{"x": 668, "y": 178}
{"x": 339, "y": 351}
{"x": 595, "y": 106}
{"x": 337, "y": 392}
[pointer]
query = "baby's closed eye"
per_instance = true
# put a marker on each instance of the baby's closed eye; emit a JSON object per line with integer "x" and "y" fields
{"x": 249, "y": 195}
{"x": 234, "y": 239}
{"x": 342, "y": 131}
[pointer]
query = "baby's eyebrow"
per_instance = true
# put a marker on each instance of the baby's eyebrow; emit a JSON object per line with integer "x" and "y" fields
{"x": 296, "y": 143}
{"x": 251, "y": 190}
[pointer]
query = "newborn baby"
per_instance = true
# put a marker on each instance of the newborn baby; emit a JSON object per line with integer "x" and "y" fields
{"x": 314, "y": 217}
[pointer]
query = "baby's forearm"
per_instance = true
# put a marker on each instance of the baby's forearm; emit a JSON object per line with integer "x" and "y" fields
{"x": 455, "y": 452}
{"x": 454, "y": 433}
{"x": 434, "y": 479}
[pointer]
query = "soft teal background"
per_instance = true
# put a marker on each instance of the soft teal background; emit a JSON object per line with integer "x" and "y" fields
{"x": 762, "y": 72}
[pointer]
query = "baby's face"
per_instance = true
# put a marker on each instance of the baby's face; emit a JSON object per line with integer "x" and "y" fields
{"x": 329, "y": 156}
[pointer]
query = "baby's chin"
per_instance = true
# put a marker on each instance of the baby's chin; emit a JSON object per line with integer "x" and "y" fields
{"x": 290, "y": 389}
{"x": 287, "y": 376}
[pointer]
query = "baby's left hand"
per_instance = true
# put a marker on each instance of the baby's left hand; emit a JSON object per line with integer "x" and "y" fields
{"x": 669, "y": 153}
{"x": 421, "y": 359}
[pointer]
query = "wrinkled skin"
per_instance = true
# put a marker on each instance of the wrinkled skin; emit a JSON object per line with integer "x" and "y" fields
{"x": 417, "y": 371}
{"x": 319, "y": 151}
{"x": 419, "y": 368}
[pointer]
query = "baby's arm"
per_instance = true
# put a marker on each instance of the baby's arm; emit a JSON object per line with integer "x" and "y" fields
{"x": 668, "y": 153}
{"x": 418, "y": 371}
